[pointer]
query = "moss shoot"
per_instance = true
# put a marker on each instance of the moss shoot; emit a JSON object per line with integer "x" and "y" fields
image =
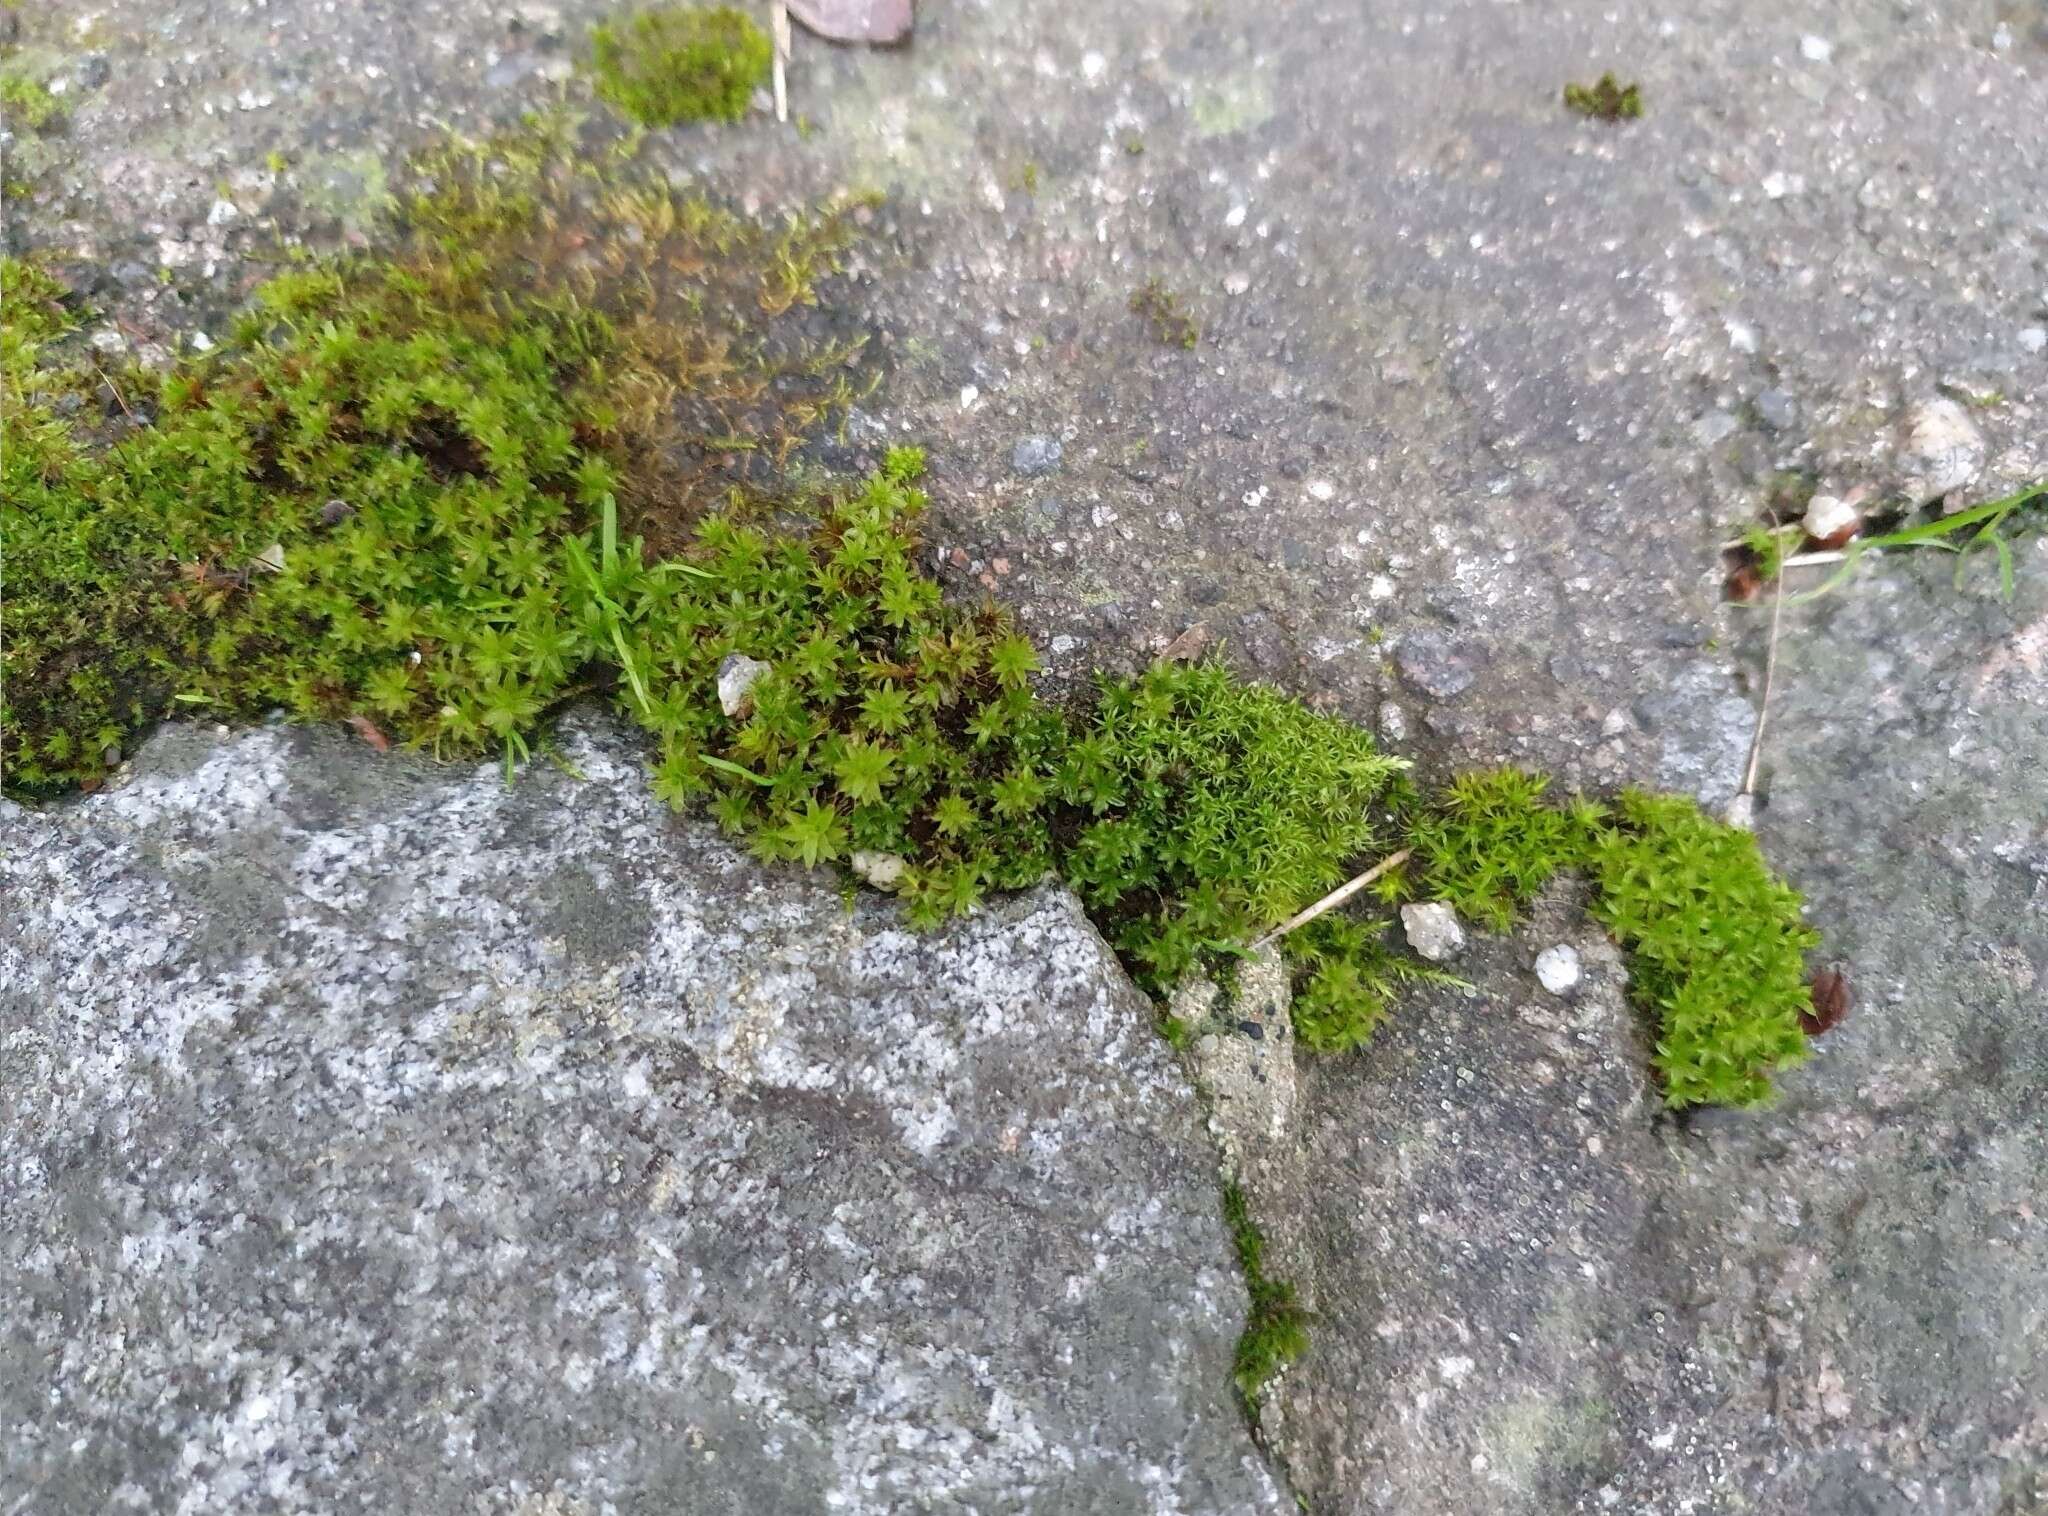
{"x": 1276, "y": 1329}
{"x": 680, "y": 63}
{"x": 1165, "y": 313}
{"x": 1607, "y": 99}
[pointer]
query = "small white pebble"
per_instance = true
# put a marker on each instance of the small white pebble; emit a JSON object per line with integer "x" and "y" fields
{"x": 1557, "y": 968}
{"x": 1235, "y": 217}
{"x": 1828, "y": 514}
{"x": 968, "y": 395}
{"x": 1816, "y": 49}
{"x": 1433, "y": 931}
{"x": 2034, "y": 338}
{"x": 883, "y": 870}
{"x": 1321, "y": 489}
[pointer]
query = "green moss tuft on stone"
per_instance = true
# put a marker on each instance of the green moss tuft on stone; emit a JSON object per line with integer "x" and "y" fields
{"x": 1276, "y": 1328}
{"x": 1489, "y": 841}
{"x": 1607, "y": 99}
{"x": 680, "y": 63}
{"x": 1166, "y": 314}
{"x": 1716, "y": 947}
{"x": 25, "y": 101}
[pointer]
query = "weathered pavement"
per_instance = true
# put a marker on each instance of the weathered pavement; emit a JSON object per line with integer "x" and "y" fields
{"x": 1479, "y": 389}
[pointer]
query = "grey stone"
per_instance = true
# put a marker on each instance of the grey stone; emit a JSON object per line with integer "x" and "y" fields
{"x": 1715, "y": 427}
{"x": 1436, "y": 664}
{"x": 1035, "y": 456}
{"x": 1703, "y": 725}
{"x": 1940, "y": 450}
{"x": 1433, "y": 931}
{"x": 380, "y": 1137}
{"x": 1828, "y": 515}
{"x": 1777, "y": 409}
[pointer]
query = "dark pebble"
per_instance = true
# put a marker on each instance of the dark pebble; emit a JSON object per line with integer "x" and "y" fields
{"x": 1035, "y": 456}
{"x": 1435, "y": 664}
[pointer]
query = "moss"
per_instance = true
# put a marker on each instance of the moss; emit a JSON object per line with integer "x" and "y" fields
{"x": 1607, "y": 99}
{"x": 1276, "y": 1328}
{"x": 1716, "y": 947}
{"x": 1490, "y": 841}
{"x": 1716, "y": 942}
{"x": 1198, "y": 810}
{"x": 367, "y": 503}
{"x": 25, "y": 101}
{"x": 1346, "y": 978}
{"x": 680, "y": 63}
{"x": 1164, "y": 313}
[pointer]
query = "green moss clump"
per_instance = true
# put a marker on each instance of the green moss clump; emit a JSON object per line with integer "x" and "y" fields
{"x": 1489, "y": 841}
{"x": 375, "y": 499}
{"x": 886, "y": 722}
{"x": 1716, "y": 947}
{"x": 25, "y": 101}
{"x": 1165, "y": 314}
{"x": 1716, "y": 941}
{"x": 1276, "y": 1329}
{"x": 1605, "y": 100}
{"x": 680, "y": 63}
{"x": 1346, "y": 979}
{"x": 1201, "y": 810}
{"x": 360, "y": 509}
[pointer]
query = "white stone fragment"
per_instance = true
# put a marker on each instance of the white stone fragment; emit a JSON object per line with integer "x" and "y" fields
{"x": 736, "y": 675}
{"x": 1557, "y": 968}
{"x": 1433, "y": 930}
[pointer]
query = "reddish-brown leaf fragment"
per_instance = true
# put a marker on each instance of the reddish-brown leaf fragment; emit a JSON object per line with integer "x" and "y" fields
{"x": 1184, "y": 647}
{"x": 371, "y": 733}
{"x": 1831, "y": 1003}
{"x": 878, "y": 21}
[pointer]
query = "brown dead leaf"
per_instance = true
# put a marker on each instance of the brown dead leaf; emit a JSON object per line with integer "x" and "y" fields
{"x": 1186, "y": 646}
{"x": 1745, "y": 583}
{"x": 1831, "y": 1003}
{"x": 882, "y": 22}
{"x": 370, "y": 732}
